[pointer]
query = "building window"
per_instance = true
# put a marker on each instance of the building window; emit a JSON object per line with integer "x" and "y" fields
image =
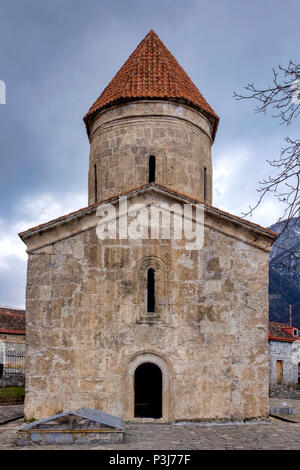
{"x": 151, "y": 291}
{"x": 95, "y": 181}
{"x": 151, "y": 169}
{"x": 205, "y": 184}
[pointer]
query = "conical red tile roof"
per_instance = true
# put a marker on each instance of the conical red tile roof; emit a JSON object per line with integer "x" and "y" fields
{"x": 152, "y": 72}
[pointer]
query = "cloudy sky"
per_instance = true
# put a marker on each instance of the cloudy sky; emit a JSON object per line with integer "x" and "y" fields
{"x": 57, "y": 56}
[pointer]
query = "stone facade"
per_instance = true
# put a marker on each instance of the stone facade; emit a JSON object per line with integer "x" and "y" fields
{"x": 289, "y": 354}
{"x": 88, "y": 328}
{"x": 42, "y": 438}
{"x": 124, "y": 136}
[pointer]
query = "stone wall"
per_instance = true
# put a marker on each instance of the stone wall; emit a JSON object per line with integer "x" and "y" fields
{"x": 88, "y": 328}
{"x": 12, "y": 343}
{"x": 12, "y": 380}
{"x": 123, "y": 138}
{"x": 287, "y": 352}
{"x": 42, "y": 437}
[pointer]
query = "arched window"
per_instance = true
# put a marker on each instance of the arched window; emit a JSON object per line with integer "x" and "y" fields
{"x": 95, "y": 181}
{"x": 151, "y": 169}
{"x": 151, "y": 290}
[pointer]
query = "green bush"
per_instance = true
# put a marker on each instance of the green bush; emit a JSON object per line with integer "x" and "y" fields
{"x": 12, "y": 395}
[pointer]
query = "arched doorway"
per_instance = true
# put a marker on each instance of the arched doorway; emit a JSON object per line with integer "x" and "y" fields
{"x": 148, "y": 391}
{"x": 165, "y": 367}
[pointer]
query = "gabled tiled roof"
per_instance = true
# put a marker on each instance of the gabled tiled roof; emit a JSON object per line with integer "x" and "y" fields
{"x": 277, "y": 333}
{"x": 152, "y": 72}
{"x": 12, "y": 321}
{"x": 148, "y": 186}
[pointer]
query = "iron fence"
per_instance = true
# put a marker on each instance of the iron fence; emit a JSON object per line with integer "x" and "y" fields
{"x": 14, "y": 363}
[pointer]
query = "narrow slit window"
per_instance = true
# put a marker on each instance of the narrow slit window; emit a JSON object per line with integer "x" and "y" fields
{"x": 95, "y": 182}
{"x": 151, "y": 291}
{"x": 151, "y": 169}
{"x": 205, "y": 183}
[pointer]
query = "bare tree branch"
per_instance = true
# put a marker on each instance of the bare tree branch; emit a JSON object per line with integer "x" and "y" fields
{"x": 283, "y": 97}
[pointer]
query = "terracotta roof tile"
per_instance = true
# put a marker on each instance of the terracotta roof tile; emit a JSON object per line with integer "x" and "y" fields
{"x": 151, "y": 71}
{"x": 12, "y": 320}
{"x": 277, "y": 333}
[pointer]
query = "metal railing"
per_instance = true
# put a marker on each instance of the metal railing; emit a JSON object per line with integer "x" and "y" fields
{"x": 14, "y": 363}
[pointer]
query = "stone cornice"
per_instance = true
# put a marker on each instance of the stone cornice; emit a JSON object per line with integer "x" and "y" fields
{"x": 157, "y": 109}
{"x": 86, "y": 218}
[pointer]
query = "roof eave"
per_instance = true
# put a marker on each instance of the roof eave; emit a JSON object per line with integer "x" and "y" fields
{"x": 277, "y": 338}
{"x": 154, "y": 186}
{"x": 12, "y": 332}
{"x": 212, "y": 117}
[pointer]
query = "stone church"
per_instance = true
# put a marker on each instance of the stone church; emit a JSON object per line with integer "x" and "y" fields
{"x": 148, "y": 328}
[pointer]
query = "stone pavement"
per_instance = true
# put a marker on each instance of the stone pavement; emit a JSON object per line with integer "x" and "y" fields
{"x": 272, "y": 435}
{"x": 10, "y": 412}
{"x": 291, "y": 391}
{"x": 282, "y": 402}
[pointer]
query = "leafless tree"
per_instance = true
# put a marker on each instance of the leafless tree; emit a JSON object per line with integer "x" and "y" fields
{"x": 282, "y": 97}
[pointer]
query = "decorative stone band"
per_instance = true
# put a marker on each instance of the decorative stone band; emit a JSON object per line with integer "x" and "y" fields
{"x": 151, "y": 109}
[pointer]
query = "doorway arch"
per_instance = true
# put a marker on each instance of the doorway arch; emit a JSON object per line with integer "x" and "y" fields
{"x": 166, "y": 383}
{"x": 148, "y": 391}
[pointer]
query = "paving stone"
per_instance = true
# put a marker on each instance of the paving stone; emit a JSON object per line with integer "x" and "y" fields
{"x": 10, "y": 412}
{"x": 272, "y": 435}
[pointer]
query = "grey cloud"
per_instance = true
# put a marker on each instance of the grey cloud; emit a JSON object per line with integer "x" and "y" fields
{"x": 56, "y": 57}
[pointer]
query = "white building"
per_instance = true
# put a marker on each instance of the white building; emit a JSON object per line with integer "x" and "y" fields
{"x": 12, "y": 346}
{"x": 284, "y": 353}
